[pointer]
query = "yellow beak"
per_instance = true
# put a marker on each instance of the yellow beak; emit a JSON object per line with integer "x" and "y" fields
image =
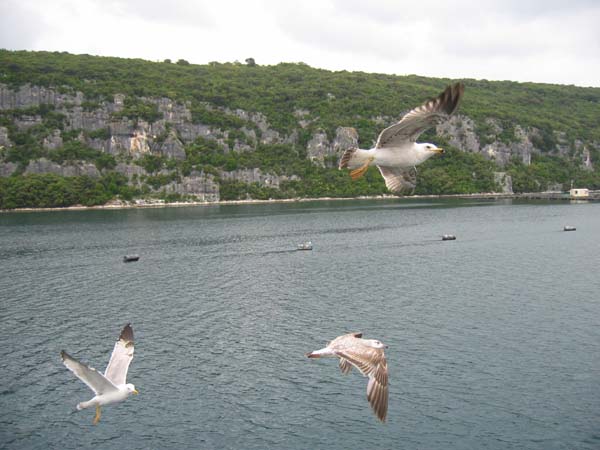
{"x": 135, "y": 391}
{"x": 439, "y": 150}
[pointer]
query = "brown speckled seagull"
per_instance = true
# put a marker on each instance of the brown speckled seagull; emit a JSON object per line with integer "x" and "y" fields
{"x": 397, "y": 153}
{"x": 368, "y": 357}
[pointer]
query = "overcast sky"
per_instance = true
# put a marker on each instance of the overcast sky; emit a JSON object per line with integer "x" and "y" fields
{"x": 553, "y": 41}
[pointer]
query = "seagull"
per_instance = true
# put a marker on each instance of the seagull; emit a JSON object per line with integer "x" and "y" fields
{"x": 368, "y": 357}
{"x": 110, "y": 387}
{"x": 397, "y": 153}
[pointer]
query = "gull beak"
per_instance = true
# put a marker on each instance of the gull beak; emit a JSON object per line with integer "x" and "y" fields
{"x": 439, "y": 150}
{"x": 135, "y": 391}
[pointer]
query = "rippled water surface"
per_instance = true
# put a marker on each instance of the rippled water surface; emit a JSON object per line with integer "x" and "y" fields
{"x": 494, "y": 339}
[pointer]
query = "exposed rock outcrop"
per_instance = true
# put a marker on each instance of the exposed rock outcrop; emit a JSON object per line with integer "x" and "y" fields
{"x": 44, "y": 165}
{"x": 7, "y": 169}
{"x": 319, "y": 148}
{"x": 198, "y": 184}
{"x": 256, "y": 176}
{"x": 460, "y": 131}
{"x": 27, "y": 96}
{"x": 101, "y": 125}
{"x": 53, "y": 141}
{"x": 4, "y": 140}
{"x": 504, "y": 181}
{"x": 172, "y": 147}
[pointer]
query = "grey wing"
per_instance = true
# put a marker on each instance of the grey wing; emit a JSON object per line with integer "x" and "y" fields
{"x": 372, "y": 363}
{"x": 419, "y": 119}
{"x": 378, "y": 392}
{"x": 344, "y": 341}
{"x": 345, "y": 366}
{"x": 121, "y": 357}
{"x": 400, "y": 181}
{"x": 90, "y": 376}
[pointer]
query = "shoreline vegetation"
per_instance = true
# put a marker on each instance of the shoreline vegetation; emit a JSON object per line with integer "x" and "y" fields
{"x": 79, "y": 131}
{"x": 157, "y": 203}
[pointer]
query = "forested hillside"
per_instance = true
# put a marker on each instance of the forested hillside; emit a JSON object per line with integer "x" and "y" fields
{"x": 80, "y": 129}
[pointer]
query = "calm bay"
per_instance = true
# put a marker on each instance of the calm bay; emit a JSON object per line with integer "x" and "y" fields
{"x": 494, "y": 338}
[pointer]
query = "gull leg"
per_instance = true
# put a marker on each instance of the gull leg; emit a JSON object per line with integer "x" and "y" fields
{"x": 357, "y": 173}
{"x": 98, "y": 414}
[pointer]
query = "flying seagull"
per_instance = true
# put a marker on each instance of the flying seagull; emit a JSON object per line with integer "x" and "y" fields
{"x": 368, "y": 357}
{"x": 110, "y": 387}
{"x": 397, "y": 153}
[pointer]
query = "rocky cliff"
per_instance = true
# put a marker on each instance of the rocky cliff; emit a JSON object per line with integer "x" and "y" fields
{"x": 109, "y": 127}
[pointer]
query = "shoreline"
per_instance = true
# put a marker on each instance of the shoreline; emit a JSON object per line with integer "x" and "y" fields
{"x": 161, "y": 204}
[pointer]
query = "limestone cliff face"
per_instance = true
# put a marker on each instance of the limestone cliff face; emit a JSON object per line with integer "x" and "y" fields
{"x": 104, "y": 127}
{"x": 27, "y": 96}
{"x": 460, "y": 132}
{"x": 256, "y": 176}
{"x": 319, "y": 148}
{"x": 198, "y": 184}
{"x": 4, "y": 140}
{"x": 43, "y": 165}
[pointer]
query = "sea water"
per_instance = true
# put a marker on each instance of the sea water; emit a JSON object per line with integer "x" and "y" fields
{"x": 494, "y": 338}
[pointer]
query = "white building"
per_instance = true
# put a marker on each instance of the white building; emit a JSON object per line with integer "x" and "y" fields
{"x": 579, "y": 193}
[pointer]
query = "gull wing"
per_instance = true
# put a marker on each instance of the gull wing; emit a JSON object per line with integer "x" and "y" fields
{"x": 345, "y": 366}
{"x": 90, "y": 376}
{"x": 399, "y": 180}
{"x": 419, "y": 119}
{"x": 121, "y": 357}
{"x": 371, "y": 362}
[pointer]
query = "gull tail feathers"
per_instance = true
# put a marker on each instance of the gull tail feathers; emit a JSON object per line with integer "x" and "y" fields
{"x": 355, "y": 158}
{"x": 320, "y": 353}
{"x": 84, "y": 405}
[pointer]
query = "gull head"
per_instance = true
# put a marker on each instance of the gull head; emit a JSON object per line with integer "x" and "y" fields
{"x": 131, "y": 389}
{"x": 375, "y": 343}
{"x": 430, "y": 148}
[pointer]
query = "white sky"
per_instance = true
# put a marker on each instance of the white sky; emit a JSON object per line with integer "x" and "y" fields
{"x": 553, "y": 41}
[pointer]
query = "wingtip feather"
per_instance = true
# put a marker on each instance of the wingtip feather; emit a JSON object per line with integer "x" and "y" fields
{"x": 127, "y": 333}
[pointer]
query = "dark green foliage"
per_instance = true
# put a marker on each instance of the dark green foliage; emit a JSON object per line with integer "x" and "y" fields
{"x": 456, "y": 172}
{"x": 332, "y": 98}
{"x": 151, "y": 163}
{"x": 76, "y": 151}
{"x": 101, "y": 133}
{"x": 548, "y": 170}
{"x": 136, "y": 108}
{"x": 235, "y": 190}
{"x": 49, "y": 190}
{"x": 156, "y": 181}
{"x": 201, "y": 114}
{"x": 367, "y": 102}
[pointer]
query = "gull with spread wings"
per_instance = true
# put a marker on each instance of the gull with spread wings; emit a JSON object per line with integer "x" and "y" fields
{"x": 368, "y": 357}
{"x": 397, "y": 153}
{"x": 109, "y": 387}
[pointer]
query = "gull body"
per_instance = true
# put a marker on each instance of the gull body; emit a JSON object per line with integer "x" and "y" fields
{"x": 110, "y": 387}
{"x": 396, "y": 153}
{"x": 406, "y": 155}
{"x": 368, "y": 356}
{"x": 121, "y": 393}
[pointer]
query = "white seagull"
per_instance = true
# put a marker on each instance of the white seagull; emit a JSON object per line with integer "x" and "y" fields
{"x": 110, "y": 387}
{"x": 397, "y": 153}
{"x": 368, "y": 357}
